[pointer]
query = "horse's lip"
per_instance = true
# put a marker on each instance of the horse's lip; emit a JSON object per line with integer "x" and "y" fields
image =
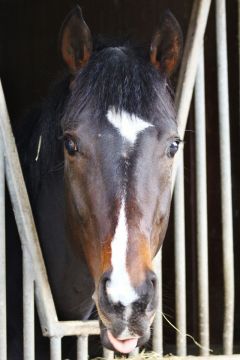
{"x": 124, "y": 346}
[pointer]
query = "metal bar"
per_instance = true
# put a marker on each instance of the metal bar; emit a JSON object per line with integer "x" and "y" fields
{"x": 82, "y": 348}
{"x": 55, "y": 348}
{"x": 180, "y": 266}
{"x": 24, "y": 220}
{"x": 108, "y": 354}
{"x": 158, "y": 322}
{"x": 3, "y": 332}
{"x": 226, "y": 184}
{"x": 133, "y": 353}
{"x": 211, "y": 357}
{"x": 76, "y": 328}
{"x": 28, "y": 308}
{"x": 201, "y": 207}
{"x": 194, "y": 40}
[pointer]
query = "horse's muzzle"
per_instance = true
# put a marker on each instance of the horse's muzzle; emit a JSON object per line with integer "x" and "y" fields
{"x": 124, "y": 327}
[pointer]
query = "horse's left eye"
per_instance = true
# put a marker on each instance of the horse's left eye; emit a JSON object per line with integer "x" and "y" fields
{"x": 70, "y": 146}
{"x": 173, "y": 148}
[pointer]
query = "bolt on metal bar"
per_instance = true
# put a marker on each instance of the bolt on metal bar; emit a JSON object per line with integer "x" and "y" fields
{"x": 180, "y": 265}
{"x": 201, "y": 206}
{"x": 158, "y": 322}
{"x": 82, "y": 348}
{"x": 28, "y": 308}
{"x": 226, "y": 183}
{"x": 3, "y": 332}
{"x": 55, "y": 348}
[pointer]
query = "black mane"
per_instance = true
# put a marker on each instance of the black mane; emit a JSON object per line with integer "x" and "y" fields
{"x": 119, "y": 76}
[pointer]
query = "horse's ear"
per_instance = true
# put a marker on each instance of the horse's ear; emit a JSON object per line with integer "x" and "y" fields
{"x": 166, "y": 45}
{"x": 75, "y": 40}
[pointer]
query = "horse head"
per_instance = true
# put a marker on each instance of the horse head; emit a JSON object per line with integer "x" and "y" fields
{"x": 120, "y": 138}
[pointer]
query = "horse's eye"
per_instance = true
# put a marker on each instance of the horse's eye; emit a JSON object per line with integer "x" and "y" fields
{"x": 70, "y": 146}
{"x": 173, "y": 148}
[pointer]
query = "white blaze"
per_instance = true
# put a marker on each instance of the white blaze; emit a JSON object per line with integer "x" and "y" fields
{"x": 119, "y": 287}
{"x": 129, "y": 126}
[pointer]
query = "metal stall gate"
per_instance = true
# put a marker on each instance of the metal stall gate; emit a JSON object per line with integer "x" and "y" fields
{"x": 35, "y": 282}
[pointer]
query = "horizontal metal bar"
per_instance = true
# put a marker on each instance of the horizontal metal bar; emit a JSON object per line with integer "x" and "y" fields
{"x": 71, "y": 328}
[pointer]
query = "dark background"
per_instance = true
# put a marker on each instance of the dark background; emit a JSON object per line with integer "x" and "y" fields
{"x": 29, "y": 62}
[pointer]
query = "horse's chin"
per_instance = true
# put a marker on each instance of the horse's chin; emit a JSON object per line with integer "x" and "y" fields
{"x": 122, "y": 346}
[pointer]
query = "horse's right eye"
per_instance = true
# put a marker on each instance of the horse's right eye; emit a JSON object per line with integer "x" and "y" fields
{"x": 70, "y": 146}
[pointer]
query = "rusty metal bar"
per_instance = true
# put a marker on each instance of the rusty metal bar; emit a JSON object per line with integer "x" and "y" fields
{"x": 201, "y": 207}
{"x": 3, "y": 315}
{"x": 226, "y": 183}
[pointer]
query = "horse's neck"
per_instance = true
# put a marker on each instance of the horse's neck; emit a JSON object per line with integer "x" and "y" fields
{"x": 69, "y": 277}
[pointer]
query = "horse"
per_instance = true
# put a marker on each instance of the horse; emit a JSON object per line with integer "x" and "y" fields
{"x": 97, "y": 157}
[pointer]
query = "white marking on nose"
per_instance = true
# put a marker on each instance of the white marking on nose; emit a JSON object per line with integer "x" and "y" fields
{"x": 129, "y": 126}
{"x": 119, "y": 288}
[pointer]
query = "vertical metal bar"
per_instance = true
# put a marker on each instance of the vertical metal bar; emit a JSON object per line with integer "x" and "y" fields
{"x": 55, "y": 348}
{"x": 180, "y": 266}
{"x": 108, "y": 354}
{"x": 3, "y": 332}
{"x": 134, "y": 353}
{"x": 188, "y": 69}
{"x": 226, "y": 183}
{"x": 158, "y": 323}
{"x": 202, "y": 227}
{"x": 186, "y": 79}
{"x": 28, "y": 307}
{"x": 82, "y": 348}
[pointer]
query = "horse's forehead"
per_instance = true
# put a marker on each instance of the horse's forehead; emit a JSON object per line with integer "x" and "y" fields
{"x": 128, "y": 125}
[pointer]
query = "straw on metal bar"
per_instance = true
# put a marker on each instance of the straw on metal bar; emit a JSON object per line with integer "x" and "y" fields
{"x": 201, "y": 207}
{"x": 28, "y": 308}
{"x": 55, "y": 348}
{"x": 3, "y": 334}
{"x": 180, "y": 266}
{"x": 158, "y": 322}
{"x": 225, "y": 167}
{"x": 82, "y": 348}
